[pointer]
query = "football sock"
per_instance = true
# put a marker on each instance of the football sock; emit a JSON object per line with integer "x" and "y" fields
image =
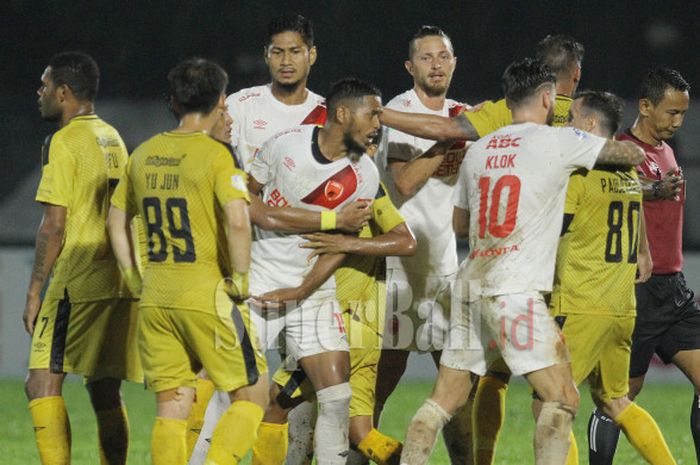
{"x": 331, "y": 436}
{"x": 695, "y": 424}
{"x": 381, "y": 449}
{"x": 204, "y": 391}
{"x": 553, "y": 433}
{"x": 235, "y": 434}
{"x": 572, "y": 457}
{"x": 603, "y": 435}
{"x": 487, "y": 419}
{"x": 301, "y": 421}
{"x": 168, "y": 442}
{"x": 270, "y": 447}
{"x": 644, "y": 435}
{"x": 51, "y": 429}
{"x": 422, "y": 433}
{"x": 113, "y": 431}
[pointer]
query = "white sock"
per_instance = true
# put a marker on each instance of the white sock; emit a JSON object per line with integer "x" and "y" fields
{"x": 423, "y": 432}
{"x": 219, "y": 403}
{"x": 331, "y": 437}
{"x": 552, "y": 433}
{"x": 302, "y": 420}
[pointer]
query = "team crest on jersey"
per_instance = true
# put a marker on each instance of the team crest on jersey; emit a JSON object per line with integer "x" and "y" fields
{"x": 259, "y": 124}
{"x": 334, "y": 190}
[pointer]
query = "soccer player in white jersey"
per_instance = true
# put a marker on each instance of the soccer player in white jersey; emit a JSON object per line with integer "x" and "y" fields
{"x": 509, "y": 201}
{"x": 420, "y": 181}
{"x": 260, "y": 112}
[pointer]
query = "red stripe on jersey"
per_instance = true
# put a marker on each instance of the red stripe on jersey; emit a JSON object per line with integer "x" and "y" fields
{"x": 317, "y": 116}
{"x": 455, "y": 111}
{"x": 334, "y": 190}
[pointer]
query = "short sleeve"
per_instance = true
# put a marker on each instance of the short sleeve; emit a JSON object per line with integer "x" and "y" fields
{"x": 123, "y": 196}
{"x": 57, "y": 175}
{"x": 578, "y": 149}
{"x": 230, "y": 182}
{"x": 385, "y": 213}
{"x": 575, "y": 192}
{"x": 460, "y": 193}
{"x": 263, "y": 164}
{"x": 490, "y": 117}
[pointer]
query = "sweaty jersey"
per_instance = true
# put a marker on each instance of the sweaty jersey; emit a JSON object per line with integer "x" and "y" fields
{"x": 494, "y": 115}
{"x": 83, "y": 161}
{"x": 258, "y": 115}
{"x": 597, "y": 256}
{"x": 513, "y": 183}
{"x": 429, "y": 211}
{"x": 295, "y": 173}
{"x": 178, "y": 183}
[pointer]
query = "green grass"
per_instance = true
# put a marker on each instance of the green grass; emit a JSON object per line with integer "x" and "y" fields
{"x": 668, "y": 403}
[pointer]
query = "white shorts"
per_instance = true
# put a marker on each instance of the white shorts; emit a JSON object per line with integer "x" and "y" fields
{"x": 314, "y": 327}
{"x": 517, "y": 327}
{"x": 417, "y": 311}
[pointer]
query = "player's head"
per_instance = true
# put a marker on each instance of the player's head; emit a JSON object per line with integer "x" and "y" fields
{"x": 197, "y": 85}
{"x": 431, "y": 60}
{"x": 597, "y": 112}
{"x": 69, "y": 76}
{"x": 354, "y": 106}
{"x": 564, "y": 57}
{"x": 663, "y": 101}
{"x": 290, "y": 50}
{"x": 530, "y": 83}
{"x": 221, "y": 130}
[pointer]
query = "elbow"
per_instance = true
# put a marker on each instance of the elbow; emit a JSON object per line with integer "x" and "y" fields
{"x": 406, "y": 189}
{"x": 409, "y": 246}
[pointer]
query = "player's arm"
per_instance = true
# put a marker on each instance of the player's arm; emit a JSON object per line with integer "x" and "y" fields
{"x": 430, "y": 126}
{"x": 624, "y": 153}
{"x": 121, "y": 238}
{"x": 460, "y": 222}
{"x": 238, "y": 239}
{"x": 49, "y": 239}
{"x": 400, "y": 241}
{"x": 666, "y": 188}
{"x": 409, "y": 176}
{"x": 644, "y": 263}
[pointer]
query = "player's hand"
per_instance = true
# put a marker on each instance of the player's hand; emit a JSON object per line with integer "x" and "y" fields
{"x": 278, "y": 299}
{"x": 670, "y": 185}
{"x": 237, "y": 286}
{"x": 354, "y": 216}
{"x": 323, "y": 243}
{"x": 644, "y": 267}
{"x": 31, "y": 312}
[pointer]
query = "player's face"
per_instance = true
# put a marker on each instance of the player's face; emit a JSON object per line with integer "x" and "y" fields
{"x": 432, "y": 64}
{"x": 49, "y": 106}
{"x": 289, "y": 59}
{"x": 585, "y": 122}
{"x": 363, "y": 126}
{"x": 222, "y": 127}
{"x": 667, "y": 116}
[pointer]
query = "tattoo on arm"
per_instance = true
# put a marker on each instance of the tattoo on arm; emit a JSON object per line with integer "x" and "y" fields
{"x": 620, "y": 153}
{"x": 39, "y": 273}
{"x": 466, "y": 127}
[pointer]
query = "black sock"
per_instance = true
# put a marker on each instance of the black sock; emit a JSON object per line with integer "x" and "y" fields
{"x": 603, "y": 435}
{"x": 695, "y": 424}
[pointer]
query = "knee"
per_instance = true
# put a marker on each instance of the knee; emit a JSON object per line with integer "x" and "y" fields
{"x": 567, "y": 395}
{"x": 104, "y": 393}
{"x": 635, "y": 387}
{"x": 335, "y": 399}
{"x": 614, "y": 407}
{"x": 39, "y": 384}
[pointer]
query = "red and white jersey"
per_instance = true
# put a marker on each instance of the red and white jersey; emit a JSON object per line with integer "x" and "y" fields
{"x": 295, "y": 174}
{"x": 513, "y": 183}
{"x": 429, "y": 211}
{"x": 257, "y": 115}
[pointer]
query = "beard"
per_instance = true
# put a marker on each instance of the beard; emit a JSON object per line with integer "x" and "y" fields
{"x": 434, "y": 90}
{"x": 355, "y": 150}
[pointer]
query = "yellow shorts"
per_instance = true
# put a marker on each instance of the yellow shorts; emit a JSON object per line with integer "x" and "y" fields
{"x": 175, "y": 344}
{"x": 93, "y": 339}
{"x": 599, "y": 346}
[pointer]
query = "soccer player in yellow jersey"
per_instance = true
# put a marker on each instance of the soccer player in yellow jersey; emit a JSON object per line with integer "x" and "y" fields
{"x": 86, "y": 322}
{"x": 194, "y": 203}
{"x": 601, "y": 248}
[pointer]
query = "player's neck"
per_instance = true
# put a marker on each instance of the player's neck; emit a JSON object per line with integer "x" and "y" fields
{"x": 641, "y": 131}
{"x": 290, "y": 95}
{"x": 566, "y": 88}
{"x": 196, "y": 122}
{"x": 75, "y": 110}
{"x": 432, "y": 102}
{"x": 526, "y": 115}
{"x": 331, "y": 144}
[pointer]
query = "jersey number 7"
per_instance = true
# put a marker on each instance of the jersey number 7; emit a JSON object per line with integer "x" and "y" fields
{"x": 488, "y": 216}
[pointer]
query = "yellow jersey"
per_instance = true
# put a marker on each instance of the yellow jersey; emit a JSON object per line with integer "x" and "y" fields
{"x": 82, "y": 162}
{"x": 597, "y": 255}
{"x": 495, "y": 115}
{"x": 178, "y": 184}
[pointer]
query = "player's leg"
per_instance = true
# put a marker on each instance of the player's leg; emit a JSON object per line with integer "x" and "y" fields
{"x": 219, "y": 403}
{"x": 300, "y": 437}
{"x": 270, "y": 447}
{"x": 49, "y": 416}
{"x": 689, "y": 363}
{"x": 488, "y": 412}
{"x": 112, "y": 420}
{"x": 203, "y": 394}
{"x": 392, "y": 365}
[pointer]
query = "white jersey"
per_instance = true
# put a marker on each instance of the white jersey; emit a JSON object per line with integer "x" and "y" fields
{"x": 514, "y": 183}
{"x": 429, "y": 211}
{"x": 295, "y": 174}
{"x": 257, "y": 116}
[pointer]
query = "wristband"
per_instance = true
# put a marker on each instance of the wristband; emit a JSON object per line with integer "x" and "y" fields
{"x": 328, "y": 220}
{"x": 238, "y": 288}
{"x": 132, "y": 279}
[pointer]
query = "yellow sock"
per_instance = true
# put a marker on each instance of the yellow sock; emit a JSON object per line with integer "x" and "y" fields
{"x": 205, "y": 389}
{"x": 487, "y": 418}
{"x": 235, "y": 433}
{"x": 113, "y": 431}
{"x": 380, "y": 448}
{"x": 168, "y": 444}
{"x": 572, "y": 458}
{"x": 644, "y": 435}
{"x": 270, "y": 447}
{"x": 52, "y": 430}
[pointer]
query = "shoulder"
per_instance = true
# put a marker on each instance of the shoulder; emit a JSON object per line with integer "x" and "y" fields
{"x": 402, "y": 102}
{"x": 247, "y": 96}
{"x": 316, "y": 99}
{"x": 366, "y": 166}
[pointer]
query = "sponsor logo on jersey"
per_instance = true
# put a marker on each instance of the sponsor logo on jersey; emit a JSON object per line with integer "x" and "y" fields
{"x": 503, "y": 142}
{"x": 580, "y": 134}
{"x": 247, "y": 96}
{"x": 157, "y": 160}
{"x": 289, "y": 163}
{"x": 334, "y": 190}
{"x": 277, "y": 199}
{"x": 259, "y": 124}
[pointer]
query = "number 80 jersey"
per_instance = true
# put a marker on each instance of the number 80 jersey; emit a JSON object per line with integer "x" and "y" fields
{"x": 178, "y": 184}
{"x": 513, "y": 184}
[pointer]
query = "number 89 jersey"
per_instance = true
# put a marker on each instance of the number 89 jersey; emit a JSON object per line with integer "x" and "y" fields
{"x": 178, "y": 183}
{"x": 513, "y": 184}
{"x": 597, "y": 256}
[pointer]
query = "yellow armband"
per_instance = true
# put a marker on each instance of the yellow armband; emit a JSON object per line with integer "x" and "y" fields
{"x": 328, "y": 220}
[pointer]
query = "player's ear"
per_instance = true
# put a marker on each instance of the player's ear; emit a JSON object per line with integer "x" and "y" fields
{"x": 590, "y": 124}
{"x": 408, "y": 64}
{"x": 342, "y": 113}
{"x": 62, "y": 92}
{"x": 645, "y": 107}
{"x": 267, "y": 59}
{"x": 313, "y": 54}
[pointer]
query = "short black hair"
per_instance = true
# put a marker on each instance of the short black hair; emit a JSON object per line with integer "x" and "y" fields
{"x": 426, "y": 31}
{"x": 560, "y": 52}
{"x": 78, "y": 71}
{"x": 294, "y": 23}
{"x": 606, "y": 105}
{"x": 196, "y": 84}
{"x": 349, "y": 88}
{"x": 521, "y": 80}
{"x": 658, "y": 80}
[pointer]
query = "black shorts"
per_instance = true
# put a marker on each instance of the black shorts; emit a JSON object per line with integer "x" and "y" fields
{"x": 668, "y": 321}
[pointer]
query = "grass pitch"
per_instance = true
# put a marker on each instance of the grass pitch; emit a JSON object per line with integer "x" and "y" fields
{"x": 668, "y": 404}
